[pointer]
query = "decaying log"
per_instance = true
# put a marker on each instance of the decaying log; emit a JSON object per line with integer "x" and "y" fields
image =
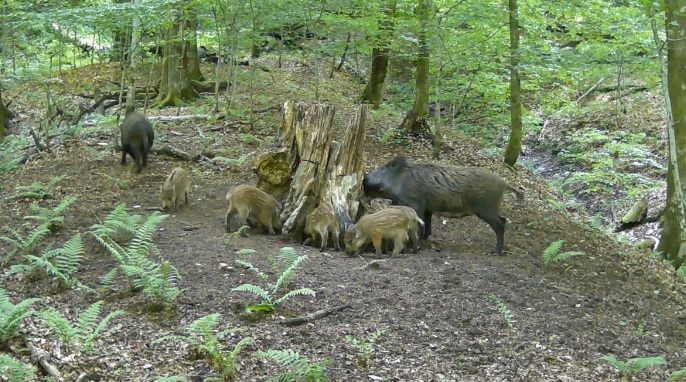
{"x": 637, "y": 215}
{"x": 295, "y": 321}
{"x": 312, "y": 166}
{"x": 43, "y": 360}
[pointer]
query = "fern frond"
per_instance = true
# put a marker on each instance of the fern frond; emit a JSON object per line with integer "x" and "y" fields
{"x": 239, "y": 347}
{"x": 622, "y": 367}
{"x": 288, "y": 273}
{"x": 16, "y": 371}
{"x": 282, "y": 357}
{"x": 639, "y": 364}
{"x": 60, "y": 326}
{"x": 247, "y": 265}
{"x": 100, "y": 328}
{"x": 567, "y": 255}
{"x": 12, "y": 315}
{"x": 293, "y": 293}
{"x": 256, "y": 290}
{"x": 678, "y": 376}
{"x": 204, "y": 325}
{"x": 553, "y": 249}
{"x": 174, "y": 378}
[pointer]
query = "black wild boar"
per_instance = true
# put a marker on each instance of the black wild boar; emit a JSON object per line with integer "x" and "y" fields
{"x": 448, "y": 191}
{"x": 136, "y": 139}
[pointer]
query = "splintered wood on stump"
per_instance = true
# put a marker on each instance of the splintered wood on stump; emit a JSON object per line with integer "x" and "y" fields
{"x": 319, "y": 168}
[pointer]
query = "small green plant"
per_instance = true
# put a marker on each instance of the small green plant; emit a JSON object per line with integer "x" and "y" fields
{"x": 34, "y": 191}
{"x": 233, "y": 162}
{"x": 157, "y": 280}
{"x": 249, "y": 138}
{"x": 12, "y": 315}
{"x": 173, "y": 378}
{"x": 16, "y": 371}
{"x": 24, "y": 245}
{"x": 552, "y": 253}
{"x": 115, "y": 221}
{"x": 86, "y": 330}
{"x": 54, "y": 218}
{"x": 628, "y": 369}
{"x": 365, "y": 347}
{"x": 60, "y": 263}
{"x": 678, "y": 376}
{"x": 208, "y": 345}
{"x": 388, "y": 135}
{"x": 504, "y": 311}
{"x": 235, "y": 235}
{"x": 122, "y": 183}
{"x": 299, "y": 368}
{"x": 289, "y": 262}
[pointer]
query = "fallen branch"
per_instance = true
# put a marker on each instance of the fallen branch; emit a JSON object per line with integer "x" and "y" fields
{"x": 43, "y": 360}
{"x": 314, "y": 316}
{"x": 173, "y": 152}
{"x": 174, "y": 118}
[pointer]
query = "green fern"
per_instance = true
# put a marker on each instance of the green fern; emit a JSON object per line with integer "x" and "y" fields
{"x": 60, "y": 263}
{"x": 86, "y": 330}
{"x": 115, "y": 221}
{"x": 504, "y": 311}
{"x": 106, "y": 282}
{"x": 24, "y": 245}
{"x": 678, "y": 376}
{"x": 552, "y": 253}
{"x": 53, "y": 217}
{"x": 298, "y": 367}
{"x": 157, "y": 280}
{"x": 208, "y": 345}
{"x": 34, "y": 191}
{"x": 173, "y": 378}
{"x": 15, "y": 371}
{"x": 365, "y": 347}
{"x": 12, "y": 315}
{"x": 633, "y": 366}
{"x": 269, "y": 301}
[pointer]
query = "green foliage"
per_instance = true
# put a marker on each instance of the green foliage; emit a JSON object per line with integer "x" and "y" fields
{"x": 49, "y": 221}
{"x": 209, "y": 346}
{"x": 115, "y": 221}
{"x": 122, "y": 183}
{"x": 174, "y": 378}
{"x": 16, "y": 371}
{"x": 298, "y": 367}
{"x": 60, "y": 263}
{"x": 12, "y": 315}
{"x": 365, "y": 347}
{"x": 233, "y": 162}
{"x": 635, "y": 365}
{"x": 678, "y": 376}
{"x": 552, "y": 253}
{"x": 86, "y": 329}
{"x": 288, "y": 261}
{"x": 508, "y": 317}
{"x": 157, "y": 280}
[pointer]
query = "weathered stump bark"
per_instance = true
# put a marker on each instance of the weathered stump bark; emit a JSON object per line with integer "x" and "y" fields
{"x": 313, "y": 166}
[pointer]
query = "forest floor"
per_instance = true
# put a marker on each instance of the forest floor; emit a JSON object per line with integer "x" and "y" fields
{"x": 436, "y": 306}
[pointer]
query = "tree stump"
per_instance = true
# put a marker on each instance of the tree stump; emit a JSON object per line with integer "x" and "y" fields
{"x": 313, "y": 166}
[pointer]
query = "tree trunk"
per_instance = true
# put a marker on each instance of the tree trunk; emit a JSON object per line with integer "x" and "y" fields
{"x": 673, "y": 241}
{"x": 192, "y": 51}
{"x": 380, "y": 54}
{"x": 122, "y": 41}
{"x": 415, "y": 121}
{"x": 514, "y": 146}
{"x": 176, "y": 82}
{"x": 313, "y": 167}
{"x": 4, "y": 117}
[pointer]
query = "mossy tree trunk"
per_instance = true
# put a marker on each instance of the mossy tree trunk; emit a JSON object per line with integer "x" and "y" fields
{"x": 415, "y": 120}
{"x": 176, "y": 81}
{"x": 673, "y": 241}
{"x": 514, "y": 146}
{"x": 313, "y": 166}
{"x": 192, "y": 52}
{"x": 373, "y": 92}
{"x": 4, "y": 117}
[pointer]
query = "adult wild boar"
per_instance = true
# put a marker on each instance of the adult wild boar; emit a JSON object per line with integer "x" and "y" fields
{"x": 448, "y": 191}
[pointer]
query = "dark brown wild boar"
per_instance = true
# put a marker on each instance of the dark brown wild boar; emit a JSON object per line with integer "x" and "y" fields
{"x": 176, "y": 189}
{"x": 389, "y": 223}
{"x": 137, "y": 137}
{"x": 322, "y": 220}
{"x": 247, "y": 200}
{"x": 443, "y": 190}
